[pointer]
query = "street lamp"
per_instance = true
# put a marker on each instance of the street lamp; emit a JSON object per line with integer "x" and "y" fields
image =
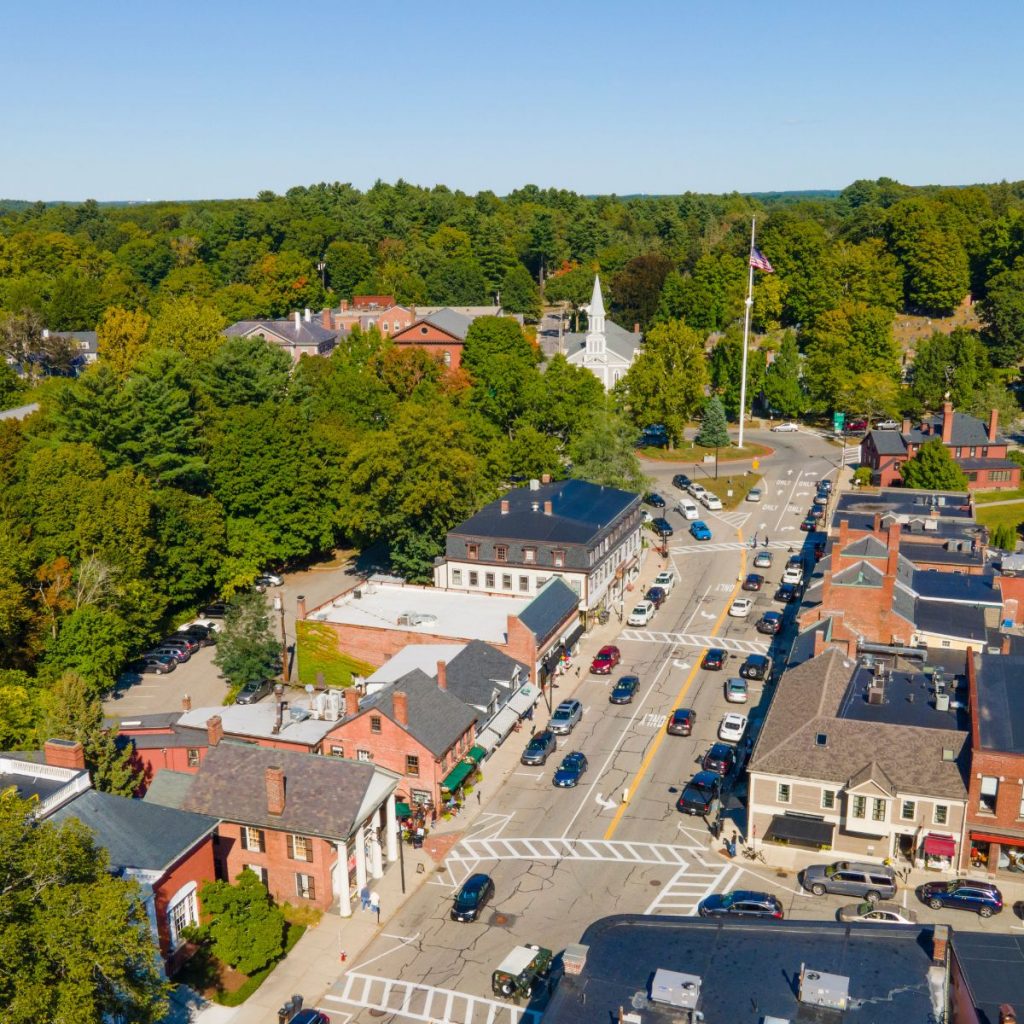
{"x": 285, "y": 667}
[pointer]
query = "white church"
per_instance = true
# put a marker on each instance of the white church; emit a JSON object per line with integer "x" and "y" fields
{"x": 606, "y": 350}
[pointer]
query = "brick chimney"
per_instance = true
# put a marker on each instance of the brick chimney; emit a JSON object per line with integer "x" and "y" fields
{"x": 993, "y": 425}
{"x": 186, "y": 703}
{"x": 1007, "y": 1014}
{"x": 64, "y": 754}
{"x": 504, "y": 506}
{"x": 947, "y": 422}
{"x": 844, "y": 534}
{"x": 274, "y": 778}
{"x": 1004, "y": 646}
{"x": 940, "y": 939}
{"x": 547, "y": 508}
{"x": 327, "y": 319}
{"x": 400, "y": 702}
{"x": 906, "y": 424}
{"x": 214, "y": 730}
{"x": 351, "y": 702}
{"x": 819, "y": 642}
{"x": 876, "y": 524}
{"x": 893, "y": 544}
{"x": 442, "y": 675}
{"x": 300, "y": 606}
{"x": 636, "y": 328}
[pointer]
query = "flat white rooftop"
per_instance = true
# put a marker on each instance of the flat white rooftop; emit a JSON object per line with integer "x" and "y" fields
{"x": 426, "y": 610}
{"x": 422, "y": 656}
{"x": 258, "y": 720}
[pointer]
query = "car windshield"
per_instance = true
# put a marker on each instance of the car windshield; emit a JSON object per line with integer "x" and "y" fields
{"x": 467, "y": 899}
{"x": 537, "y": 743}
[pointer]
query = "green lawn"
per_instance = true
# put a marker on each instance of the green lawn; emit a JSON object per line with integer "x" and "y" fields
{"x": 1001, "y": 515}
{"x": 739, "y": 485}
{"x": 690, "y": 452}
{"x": 988, "y": 496}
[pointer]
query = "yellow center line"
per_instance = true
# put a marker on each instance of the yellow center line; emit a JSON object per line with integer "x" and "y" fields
{"x": 646, "y": 763}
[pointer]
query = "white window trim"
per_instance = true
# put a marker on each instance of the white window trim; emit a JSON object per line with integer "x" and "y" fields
{"x": 788, "y": 798}
{"x": 935, "y": 814}
{"x": 186, "y": 894}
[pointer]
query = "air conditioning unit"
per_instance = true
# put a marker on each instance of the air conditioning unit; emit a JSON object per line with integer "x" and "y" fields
{"x": 676, "y": 989}
{"x": 876, "y": 695}
{"x": 942, "y": 702}
{"x": 334, "y": 704}
{"x": 320, "y": 707}
{"x": 820, "y": 989}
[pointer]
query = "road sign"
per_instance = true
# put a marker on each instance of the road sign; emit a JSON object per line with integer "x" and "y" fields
{"x": 838, "y": 421}
{"x": 755, "y": 464}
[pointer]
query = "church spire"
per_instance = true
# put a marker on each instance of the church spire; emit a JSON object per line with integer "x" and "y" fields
{"x": 595, "y": 322}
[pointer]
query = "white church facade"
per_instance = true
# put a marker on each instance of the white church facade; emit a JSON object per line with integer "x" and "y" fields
{"x": 606, "y": 350}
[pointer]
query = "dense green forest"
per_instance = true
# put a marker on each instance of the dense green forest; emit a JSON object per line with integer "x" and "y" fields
{"x": 183, "y": 462}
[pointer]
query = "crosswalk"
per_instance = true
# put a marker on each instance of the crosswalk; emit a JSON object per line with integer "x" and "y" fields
{"x": 413, "y": 1001}
{"x": 728, "y": 643}
{"x": 688, "y": 886}
{"x": 702, "y": 549}
{"x": 607, "y": 851}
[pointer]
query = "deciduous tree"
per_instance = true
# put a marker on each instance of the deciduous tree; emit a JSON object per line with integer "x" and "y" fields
{"x": 244, "y": 927}
{"x": 933, "y": 468}
{"x": 121, "y": 339}
{"x": 246, "y": 647}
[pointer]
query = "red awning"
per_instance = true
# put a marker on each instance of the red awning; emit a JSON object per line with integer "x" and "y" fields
{"x": 985, "y": 837}
{"x": 939, "y": 846}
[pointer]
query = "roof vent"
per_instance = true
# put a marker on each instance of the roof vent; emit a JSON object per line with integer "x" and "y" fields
{"x": 676, "y": 989}
{"x": 821, "y": 739}
{"x": 820, "y": 989}
{"x": 948, "y": 754}
{"x": 416, "y": 619}
{"x": 876, "y": 695}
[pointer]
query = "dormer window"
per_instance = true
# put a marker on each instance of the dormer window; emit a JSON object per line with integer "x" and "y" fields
{"x": 558, "y": 558}
{"x": 473, "y": 552}
{"x": 501, "y": 553}
{"x": 530, "y": 555}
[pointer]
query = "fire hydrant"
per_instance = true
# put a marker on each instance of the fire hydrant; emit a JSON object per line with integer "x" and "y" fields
{"x": 344, "y": 956}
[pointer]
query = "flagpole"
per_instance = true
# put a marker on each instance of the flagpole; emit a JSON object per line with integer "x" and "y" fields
{"x": 746, "y": 329}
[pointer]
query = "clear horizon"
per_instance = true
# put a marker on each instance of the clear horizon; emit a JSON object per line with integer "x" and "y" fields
{"x": 198, "y": 101}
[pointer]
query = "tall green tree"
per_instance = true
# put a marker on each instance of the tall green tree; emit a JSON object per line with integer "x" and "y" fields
{"x": 782, "y": 383}
{"x": 501, "y": 362}
{"x": 519, "y": 292}
{"x": 636, "y": 289}
{"x": 714, "y": 432}
{"x": 246, "y": 647}
{"x": 956, "y": 363}
{"x": 246, "y": 371}
{"x": 244, "y": 929}
{"x": 1002, "y": 310}
{"x": 726, "y": 370}
{"x": 603, "y": 453}
{"x": 933, "y": 468}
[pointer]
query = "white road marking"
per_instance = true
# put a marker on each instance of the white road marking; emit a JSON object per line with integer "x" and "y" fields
{"x": 734, "y": 545}
{"x": 654, "y": 721}
{"x": 697, "y": 609}
{"x": 687, "y": 888}
{"x": 796, "y": 483}
{"x": 696, "y": 640}
{"x": 530, "y": 775}
{"x": 608, "y": 805}
{"x": 403, "y": 940}
{"x": 478, "y": 850}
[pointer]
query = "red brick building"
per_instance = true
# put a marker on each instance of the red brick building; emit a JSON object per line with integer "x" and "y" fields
{"x": 442, "y": 334}
{"x": 977, "y": 447}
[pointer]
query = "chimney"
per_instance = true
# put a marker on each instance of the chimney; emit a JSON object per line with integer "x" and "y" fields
{"x": 327, "y": 319}
{"x": 351, "y": 702}
{"x": 274, "y": 778}
{"x": 636, "y": 328}
{"x": 893, "y": 544}
{"x": 214, "y": 730}
{"x": 298, "y": 321}
{"x": 64, "y": 754}
{"x": 1004, "y": 647}
{"x": 819, "y": 642}
{"x": 545, "y": 478}
{"x": 993, "y": 425}
{"x": 442, "y": 675}
{"x": 186, "y": 703}
{"x": 940, "y": 937}
{"x": 400, "y": 702}
{"x": 947, "y": 422}
{"x": 308, "y": 315}
{"x": 504, "y": 506}
{"x": 876, "y": 525}
{"x": 1007, "y": 1014}
{"x": 344, "y": 305}
{"x": 906, "y": 424}
{"x": 547, "y": 508}
{"x": 300, "y": 606}
{"x": 844, "y": 534}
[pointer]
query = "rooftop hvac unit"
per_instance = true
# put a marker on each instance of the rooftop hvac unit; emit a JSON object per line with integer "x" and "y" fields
{"x": 357, "y": 594}
{"x": 298, "y": 714}
{"x": 876, "y": 695}
{"x": 820, "y": 989}
{"x": 320, "y": 706}
{"x": 867, "y": 660}
{"x": 334, "y": 703}
{"x": 676, "y": 989}
{"x": 942, "y": 702}
{"x": 416, "y": 619}
{"x": 774, "y": 1020}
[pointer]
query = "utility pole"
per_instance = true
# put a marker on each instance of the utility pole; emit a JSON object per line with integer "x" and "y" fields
{"x": 285, "y": 666}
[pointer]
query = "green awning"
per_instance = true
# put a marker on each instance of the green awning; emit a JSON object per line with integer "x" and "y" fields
{"x": 477, "y": 753}
{"x": 465, "y": 767}
{"x": 402, "y": 810}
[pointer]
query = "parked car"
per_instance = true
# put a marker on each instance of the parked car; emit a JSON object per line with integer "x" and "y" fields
{"x": 696, "y": 490}
{"x": 741, "y": 903}
{"x": 856, "y": 426}
{"x": 646, "y": 517}
{"x": 871, "y": 882}
{"x": 732, "y": 727}
{"x": 217, "y": 610}
{"x": 310, "y": 1016}
{"x": 788, "y": 593}
{"x": 700, "y": 794}
{"x": 476, "y": 892}
{"x": 720, "y": 758}
{"x": 820, "y": 501}
{"x": 662, "y": 527}
{"x": 740, "y": 608}
{"x": 152, "y": 664}
{"x": 570, "y": 771}
{"x": 785, "y": 428}
{"x": 688, "y": 510}
{"x": 700, "y": 531}
{"x": 817, "y": 513}
{"x": 566, "y": 717}
{"x": 962, "y": 894}
{"x": 887, "y": 425}
{"x": 265, "y": 581}
{"x": 666, "y": 580}
{"x": 254, "y": 690}
{"x": 809, "y": 523}
{"x": 753, "y": 581}
{"x": 656, "y": 595}
{"x": 681, "y": 722}
{"x": 176, "y": 651}
{"x": 793, "y": 574}
{"x": 624, "y": 690}
{"x": 654, "y": 500}
{"x": 754, "y": 494}
{"x": 187, "y": 640}
{"x": 714, "y": 659}
{"x": 641, "y": 614}
{"x": 757, "y": 666}
{"x": 763, "y": 560}
{"x": 605, "y": 660}
{"x": 681, "y": 480}
{"x": 206, "y": 635}
{"x": 876, "y": 913}
{"x": 712, "y": 502}
{"x": 770, "y": 623}
{"x": 825, "y": 484}
{"x": 736, "y": 690}
{"x": 541, "y": 746}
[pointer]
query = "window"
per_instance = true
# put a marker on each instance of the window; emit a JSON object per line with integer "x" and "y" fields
{"x": 558, "y": 557}
{"x": 254, "y": 839}
{"x": 374, "y": 723}
{"x": 506, "y": 581}
{"x": 474, "y": 579}
{"x": 364, "y": 755}
{"x": 989, "y": 793}
{"x": 972, "y": 452}
{"x": 530, "y": 555}
{"x": 877, "y": 810}
{"x": 999, "y": 475}
{"x": 300, "y": 848}
{"x": 456, "y": 577}
{"x": 182, "y": 913}
{"x": 258, "y": 870}
{"x": 908, "y": 810}
{"x": 1020, "y": 812}
{"x": 524, "y": 584}
{"x": 984, "y": 452}
{"x": 828, "y": 799}
{"x": 501, "y": 552}
{"x": 305, "y": 887}
{"x": 337, "y": 750}
{"x": 489, "y": 580}
{"x": 860, "y": 806}
{"x": 412, "y": 764}
{"x": 447, "y": 357}
{"x": 959, "y": 453}
{"x": 575, "y": 584}
{"x": 784, "y": 793}
{"x": 940, "y": 814}
{"x": 541, "y": 580}
{"x": 473, "y": 552}
{"x": 193, "y": 757}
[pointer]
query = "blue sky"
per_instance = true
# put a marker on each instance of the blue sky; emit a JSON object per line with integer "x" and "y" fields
{"x": 155, "y": 100}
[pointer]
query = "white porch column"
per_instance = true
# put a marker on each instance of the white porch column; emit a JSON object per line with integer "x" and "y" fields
{"x": 341, "y": 887}
{"x": 392, "y": 829}
{"x": 360, "y": 857}
{"x": 376, "y": 857}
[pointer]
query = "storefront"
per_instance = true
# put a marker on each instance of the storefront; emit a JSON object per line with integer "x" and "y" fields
{"x": 997, "y": 853}
{"x": 938, "y": 851}
{"x": 494, "y": 733}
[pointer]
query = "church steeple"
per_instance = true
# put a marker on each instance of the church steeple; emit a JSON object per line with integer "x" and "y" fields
{"x": 595, "y": 322}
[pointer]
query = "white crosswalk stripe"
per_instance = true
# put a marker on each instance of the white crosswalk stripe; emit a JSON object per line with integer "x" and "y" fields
{"x": 688, "y": 887}
{"x": 700, "y": 549}
{"x": 650, "y": 636}
{"x": 734, "y": 519}
{"x": 476, "y": 850}
{"x": 425, "y": 1002}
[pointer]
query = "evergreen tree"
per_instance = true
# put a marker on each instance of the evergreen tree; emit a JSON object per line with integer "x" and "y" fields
{"x": 246, "y": 647}
{"x": 782, "y": 388}
{"x": 714, "y": 432}
{"x": 933, "y": 469}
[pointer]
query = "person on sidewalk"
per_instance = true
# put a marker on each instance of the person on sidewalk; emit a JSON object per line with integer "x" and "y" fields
{"x": 364, "y": 896}
{"x": 375, "y": 904}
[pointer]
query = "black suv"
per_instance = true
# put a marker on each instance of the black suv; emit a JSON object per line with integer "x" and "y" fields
{"x": 662, "y": 527}
{"x": 654, "y": 500}
{"x": 789, "y": 593}
{"x": 476, "y": 892}
{"x": 682, "y": 481}
{"x": 700, "y": 793}
{"x": 757, "y": 666}
{"x": 721, "y": 759}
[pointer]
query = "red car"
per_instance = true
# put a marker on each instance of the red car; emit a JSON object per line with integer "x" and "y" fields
{"x": 607, "y": 658}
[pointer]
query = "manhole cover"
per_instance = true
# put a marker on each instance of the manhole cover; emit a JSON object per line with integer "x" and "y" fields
{"x": 379, "y": 1013}
{"x": 654, "y": 882}
{"x": 500, "y": 919}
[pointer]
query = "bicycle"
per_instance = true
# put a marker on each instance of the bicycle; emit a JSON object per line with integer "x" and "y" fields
{"x": 751, "y": 854}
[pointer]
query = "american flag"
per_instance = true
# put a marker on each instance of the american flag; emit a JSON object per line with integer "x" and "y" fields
{"x": 759, "y": 261}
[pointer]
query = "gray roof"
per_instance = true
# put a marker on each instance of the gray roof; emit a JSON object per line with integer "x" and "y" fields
{"x": 618, "y": 340}
{"x": 546, "y": 613}
{"x": 860, "y": 574}
{"x": 965, "y": 622}
{"x": 952, "y": 552}
{"x": 970, "y": 464}
{"x": 445, "y": 319}
{"x": 993, "y": 967}
{"x": 803, "y": 645}
{"x": 967, "y": 430}
{"x": 475, "y": 672}
{"x": 309, "y": 332}
{"x": 169, "y": 788}
{"x": 866, "y": 547}
{"x": 805, "y": 706}
{"x": 231, "y": 786}
{"x": 137, "y": 835}
{"x": 1000, "y": 686}
{"x": 888, "y": 442}
{"x": 437, "y": 718}
{"x": 932, "y": 584}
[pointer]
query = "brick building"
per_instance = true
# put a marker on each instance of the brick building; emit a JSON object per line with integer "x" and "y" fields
{"x": 442, "y": 334}
{"x": 977, "y": 448}
{"x": 370, "y": 311}
{"x": 301, "y": 335}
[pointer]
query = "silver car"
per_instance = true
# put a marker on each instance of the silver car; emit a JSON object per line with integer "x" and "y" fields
{"x": 566, "y": 717}
{"x": 871, "y": 882}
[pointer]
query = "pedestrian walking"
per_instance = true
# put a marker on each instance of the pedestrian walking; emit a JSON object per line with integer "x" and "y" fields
{"x": 766, "y": 540}
{"x": 753, "y": 543}
{"x": 478, "y": 796}
{"x": 364, "y": 896}
{"x": 375, "y": 905}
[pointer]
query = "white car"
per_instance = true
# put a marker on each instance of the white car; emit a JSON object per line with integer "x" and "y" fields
{"x": 736, "y": 691}
{"x": 696, "y": 490}
{"x": 785, "y": 428}
{"x": 754, "y": 494}
{"x": 887, "y": 425}
{"x": 732, "y": 727}
{"x": 666, "y": 580}
{"x": 793, "y": 574}
{"x": 688, "y": 510}
{"x": 740, "y": 608}
{"x": 711, "y": 501}
{"x": 645, "y": 516}
{"x": 641, "y": 614}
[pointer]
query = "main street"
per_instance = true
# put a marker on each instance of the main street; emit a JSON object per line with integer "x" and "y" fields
{"x": 616, "y": 843}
